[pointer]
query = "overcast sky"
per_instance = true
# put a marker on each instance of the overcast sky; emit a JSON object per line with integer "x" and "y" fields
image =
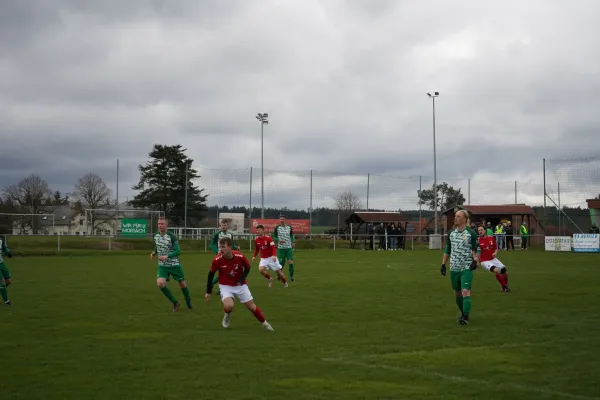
{"x": 84, "y": 83}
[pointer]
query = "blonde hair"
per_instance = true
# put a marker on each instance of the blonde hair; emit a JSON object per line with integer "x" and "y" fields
{"x": 466, "y": 214}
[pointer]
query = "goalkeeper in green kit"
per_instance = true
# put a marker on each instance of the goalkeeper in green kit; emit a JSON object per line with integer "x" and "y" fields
{"x": 283, "y": 236}
{"x": 4, "y": 273}
{"x": 461, "y": 248}
{"x": 214, "y": 243}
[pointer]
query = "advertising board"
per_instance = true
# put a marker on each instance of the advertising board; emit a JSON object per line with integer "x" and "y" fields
{"x": 586, "y": 243}
{"x": 557, "y": 243}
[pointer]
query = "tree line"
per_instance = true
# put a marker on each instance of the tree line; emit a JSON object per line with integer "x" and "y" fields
{"x": 166, "y": 184}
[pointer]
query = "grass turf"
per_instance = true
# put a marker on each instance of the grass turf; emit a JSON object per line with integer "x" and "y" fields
{"x": 355, "y": 325}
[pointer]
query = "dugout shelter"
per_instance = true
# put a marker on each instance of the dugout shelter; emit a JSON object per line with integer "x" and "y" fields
{"x": 358, "y": 222}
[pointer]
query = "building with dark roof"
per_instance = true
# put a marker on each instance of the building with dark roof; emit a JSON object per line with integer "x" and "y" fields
{"x": 516, "y": 214}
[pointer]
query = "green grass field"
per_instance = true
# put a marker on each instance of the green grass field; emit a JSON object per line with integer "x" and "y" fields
{"x": 355, "y": 325}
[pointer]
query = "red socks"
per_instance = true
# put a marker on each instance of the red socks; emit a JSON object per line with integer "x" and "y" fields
{"x": 501, "y": 279}
{"x": 284, "y": 280}
{"x": 505, "y": 275}
{"x": 267, "y": 276}
{"x": 259, "y": 315}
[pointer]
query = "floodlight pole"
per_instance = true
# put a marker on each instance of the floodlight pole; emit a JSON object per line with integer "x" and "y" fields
{"x": 263, "y": 118}
{"x": 186, "y": 199}
{"x": 435, "y": 194}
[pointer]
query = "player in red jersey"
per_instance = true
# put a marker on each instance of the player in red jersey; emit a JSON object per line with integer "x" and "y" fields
{"x": 268, "y": 256}
{"x": 233, "y": 268}
{"x": 488, "y": 259}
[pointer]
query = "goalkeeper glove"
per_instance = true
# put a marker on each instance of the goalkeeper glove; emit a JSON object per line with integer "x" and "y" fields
{"x": 473, "y": 265}
{"x": 443, "y": 270}
{"x": 9, "y": 254}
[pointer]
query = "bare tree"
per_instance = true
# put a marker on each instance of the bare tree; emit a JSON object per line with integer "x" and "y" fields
{"x": 347, "y": 201}
{"x": 29, "y": 197}
{"x": 91, "y": 192}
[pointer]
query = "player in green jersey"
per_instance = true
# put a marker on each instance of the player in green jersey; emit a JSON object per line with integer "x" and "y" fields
{"x": 283, "y": 236}
{"x": 462, "y": 250}
{"x": 4, "y": 272}
{"x": 166, "y": 247}
{"x": 214, "y": 243}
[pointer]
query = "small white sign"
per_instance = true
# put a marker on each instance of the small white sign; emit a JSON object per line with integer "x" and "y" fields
{"x": 557, "y": 243}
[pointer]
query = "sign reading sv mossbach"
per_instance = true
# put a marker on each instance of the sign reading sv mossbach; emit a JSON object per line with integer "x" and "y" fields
{"x": 586, "y": 243}
{"x": 134, "y": 227}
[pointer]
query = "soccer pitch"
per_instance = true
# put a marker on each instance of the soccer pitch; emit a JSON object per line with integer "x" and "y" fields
{"x": 355, "y": 325}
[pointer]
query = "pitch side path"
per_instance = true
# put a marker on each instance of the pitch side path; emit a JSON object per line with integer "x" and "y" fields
{"x": 354, "y": 325}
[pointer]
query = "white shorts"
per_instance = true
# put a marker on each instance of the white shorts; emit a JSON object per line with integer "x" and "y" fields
{"x": 270, "y": 264}
{"x": 241, "y": 292}
{"x": 493, "y": 263}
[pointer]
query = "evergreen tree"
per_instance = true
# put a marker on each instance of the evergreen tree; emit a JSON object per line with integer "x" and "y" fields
{"x": 163, "y": 182}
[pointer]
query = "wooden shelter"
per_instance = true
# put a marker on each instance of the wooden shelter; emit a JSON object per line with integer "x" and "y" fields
{"x": 357, "y": 222}
{"x": 515, "y": 213}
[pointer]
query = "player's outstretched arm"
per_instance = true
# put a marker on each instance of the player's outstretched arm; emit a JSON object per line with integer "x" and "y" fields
{"x": 244, "y": 275}
{"x": 214, "y": 243}
{"x": 6, "y": 251}
{"x": 209, "y": 282}
{"x": 446, "y": 255}
{"x": 474, "y": 244}
{"x": 176, "y": 249}
{"x": 245, "y": 272}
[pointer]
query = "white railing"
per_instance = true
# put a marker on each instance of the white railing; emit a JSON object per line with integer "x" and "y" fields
{"x": 56, "y": 243}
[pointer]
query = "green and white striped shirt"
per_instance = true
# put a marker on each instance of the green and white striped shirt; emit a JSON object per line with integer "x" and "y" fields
{"x": 285, "y": 234}
{"x": 167, "y": 245}
{"x": 460, "y": 247}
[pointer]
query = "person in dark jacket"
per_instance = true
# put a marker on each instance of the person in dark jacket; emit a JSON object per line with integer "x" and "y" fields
{"x": 381, "y": 234}
{"x": 401, "y": 236}
{"x": 509, "y": 236}
{"x": 370, "y": 233}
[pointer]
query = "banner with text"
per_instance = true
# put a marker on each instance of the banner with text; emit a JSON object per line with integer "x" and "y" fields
{"x": 299, "y": 226}
{"x": 586, "y": 243}
{"x": 134, "y": 227}
{"x": 558, "y": 243}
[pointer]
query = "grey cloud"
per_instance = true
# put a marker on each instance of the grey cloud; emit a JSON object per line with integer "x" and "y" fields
{"x": 83, "y": 83}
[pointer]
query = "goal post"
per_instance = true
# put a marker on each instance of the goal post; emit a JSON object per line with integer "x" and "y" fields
{"x": 568, "y": 183}
{"x": 29, "y": 223}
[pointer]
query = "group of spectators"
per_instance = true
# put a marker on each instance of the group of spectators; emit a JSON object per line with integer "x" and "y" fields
{"x": 391, "y": 236}
{"x": 504, "y": 234}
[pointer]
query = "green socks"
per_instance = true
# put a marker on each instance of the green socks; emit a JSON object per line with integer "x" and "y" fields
{"x": 467, "y": 305}
{"x": 291, "y": 267}
{"x": 3, "y": 291}
{"x": 168, "y": 294}
{"x": 186, "y": 294}
{"x": 459, "y": 303}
